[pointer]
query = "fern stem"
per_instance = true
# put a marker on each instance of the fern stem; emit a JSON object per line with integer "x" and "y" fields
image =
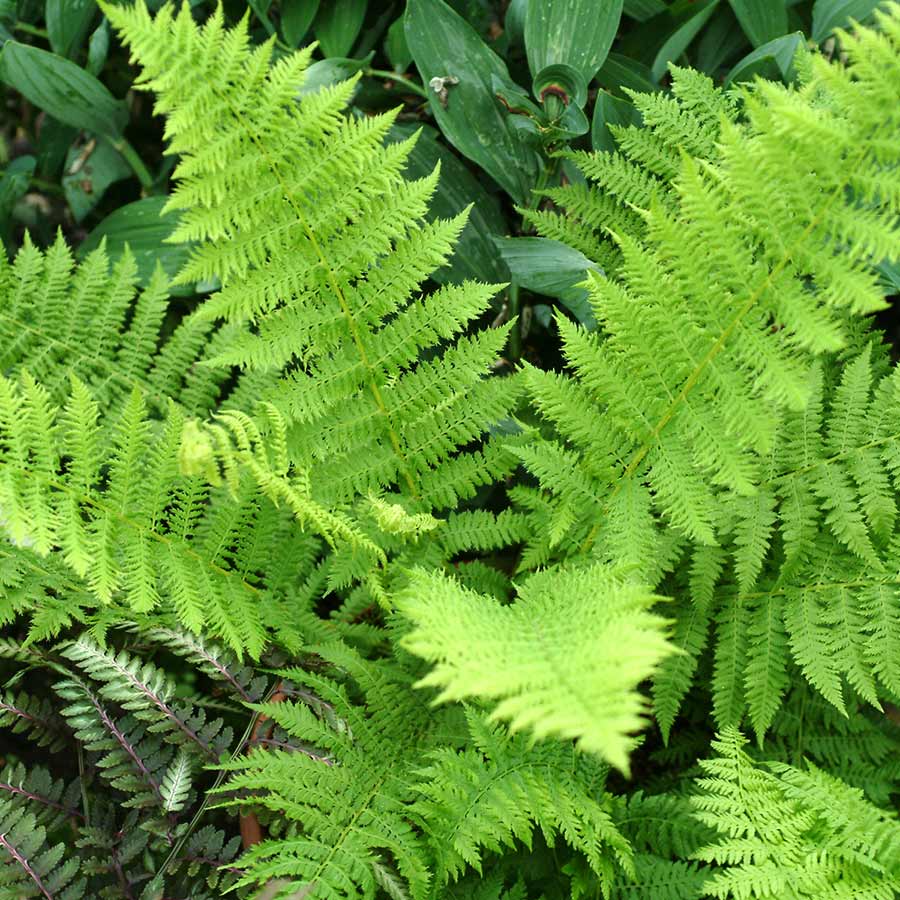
{"x": 17, "y": 856}
{"x": 338, "y": 293}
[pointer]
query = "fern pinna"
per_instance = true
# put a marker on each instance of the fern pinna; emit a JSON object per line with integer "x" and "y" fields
{"x": 327, "y": 467}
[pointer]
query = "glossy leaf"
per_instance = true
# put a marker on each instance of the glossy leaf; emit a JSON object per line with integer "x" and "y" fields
{"x": 549, "y": 267}
{"x": 330, "y": 71}
{"x": 642, "y": 10}
{"x": 67, "y": 23}
{"x": 62, "y": 89}
{"x": 444, "y": 45}
{"x": 761, "y": 20}
{"x": 830, "y": 14}
{"x": 773, "y": 60}
{"x": 296, "y": 17}
{"x": 89, "y": 171}
{"x": 620, "y": 72}
{"x": 577, "y": 33}
{"x": 142, "y": 226}
{"x": 98, "y": 48}
{"x": 338, "y": 24}
{"x": 475, "y": 255}
{"x": 722, "y": 40}
{"x": 395, "y": 47}
{"x": 610, "y": 110}
{"x": 679, "y": 40}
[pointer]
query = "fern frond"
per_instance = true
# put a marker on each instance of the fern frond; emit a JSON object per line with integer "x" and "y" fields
{"x": 784, "y": 830}
{"x": 34, "y": 868}
{"x": 318, "y": 240}
{"x": 501, "y": 789}
{"x": 347, "y": 786}
{"x": 144, "y": 690}
{"x": 563, "y": 660}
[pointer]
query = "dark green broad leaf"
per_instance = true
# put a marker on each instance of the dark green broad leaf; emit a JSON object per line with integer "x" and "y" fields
{"x": 772, "y": 61}
{"x": 830, "y": 14}
{"x": 54, "y": 140}
{"x": 722, "y": 40}
{"x": 98, "y": 48}
{"x": 68, "y": 22}
{"x": 142, "y": 226}
{"x": 395, "y": 47}
{"x": 261, "y": 11}
{"x": 89, "y": 171}
{"x": 445, "y": 48}
{"x": 687, "y": 27}
{"x": 554, "y": 269}
{"x": 475, "y": 255}
{"x": 577, "y": 33}
{"x": 62, "y": 89}
{"x": 296, "y": 17}
{"x": 620, "y": 72}
{"x": 610, "y": 110}
{"x": 338, "y": 24}
{"x": 514, "y": 21}
{"x": 642, "y": 10}
{"x": 326, "y": 72}
{"x": 14, "y": 181}
{"x": 761, "y": 20}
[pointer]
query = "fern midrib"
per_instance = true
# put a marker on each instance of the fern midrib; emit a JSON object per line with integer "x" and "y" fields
{"x": 720, "y": 342}
{"x": 339, "y": 294}
{"x": 40, "y": 798}
{"x": 13, "y": 851}
{"x": 120, "y": 739}
{"x": 161, "y": 704}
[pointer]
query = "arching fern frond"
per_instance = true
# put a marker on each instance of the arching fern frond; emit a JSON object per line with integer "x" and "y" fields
{"x": 344, "y": 789}
{"x": 320, "y": 245}
{"x": 501, "y": 790}
{"x": 702, "y": 353}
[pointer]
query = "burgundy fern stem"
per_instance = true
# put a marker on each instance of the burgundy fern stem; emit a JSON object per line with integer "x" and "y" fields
{"x": 13, "y": 851}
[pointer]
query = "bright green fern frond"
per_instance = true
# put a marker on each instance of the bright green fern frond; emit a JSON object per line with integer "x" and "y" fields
{"x": 564, "y": 660}
{"x": 785, "y": 832}
{"x": 704, "y": 352}
{"x": 320, "y": 244}
{"x": 344, "y": 783}
{"x": 502, "y": 789}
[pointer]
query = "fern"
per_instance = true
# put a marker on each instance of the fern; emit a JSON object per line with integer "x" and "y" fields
{"x": 710, "y": 403}
{"x": 320, "y": 243}
{"x": 784, "y": 830}
{"x": 117, "y": 815}
{"x": 564, "y": 660}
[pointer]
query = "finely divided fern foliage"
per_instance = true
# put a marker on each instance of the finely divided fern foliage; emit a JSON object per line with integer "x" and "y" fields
{"x": 323, "y": 494}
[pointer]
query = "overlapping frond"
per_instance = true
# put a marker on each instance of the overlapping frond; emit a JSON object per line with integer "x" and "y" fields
{"x": 116, "y": 519}
{"x": 500, "y": 790}
{"x": 320, "y": 245}
{"x": 343, "y": 785}
{"x": 564, "y": 660}
{"x": 709, "y": 329}
{"x": 787, "y": 832}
